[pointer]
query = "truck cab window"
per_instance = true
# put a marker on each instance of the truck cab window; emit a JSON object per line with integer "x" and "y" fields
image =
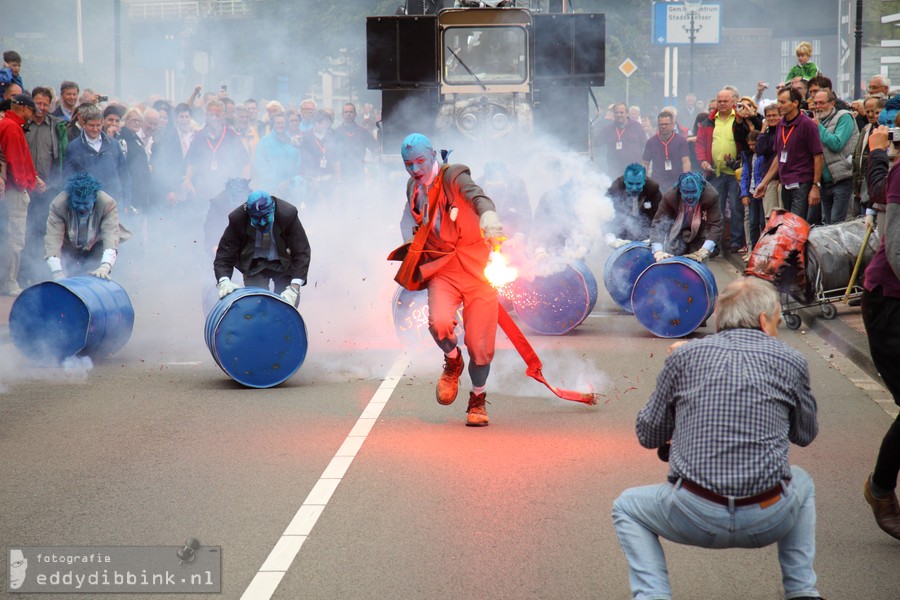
{"x": 492, "y": 55}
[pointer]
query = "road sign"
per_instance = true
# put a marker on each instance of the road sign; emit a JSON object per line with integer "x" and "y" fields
{"x": 628, "y": 67}
{"x": 672, "y": 24}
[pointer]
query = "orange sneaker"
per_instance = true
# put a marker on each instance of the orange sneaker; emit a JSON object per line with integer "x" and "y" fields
{"x": 448, "y": 384}
{"x": 477, "y": 414}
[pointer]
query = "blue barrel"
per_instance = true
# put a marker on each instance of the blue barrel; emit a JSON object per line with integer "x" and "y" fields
{"x": 674, "y": 297}
{"x": 257, "y": 338}
{"x": 80, "y": 315}
{"x": 410, "y": 313}
{"x": 557, "y": 303}
{"x": 622, "y": 269}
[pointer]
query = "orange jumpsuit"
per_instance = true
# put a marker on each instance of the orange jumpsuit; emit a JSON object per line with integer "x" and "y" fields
{"x": 453, "y": 263}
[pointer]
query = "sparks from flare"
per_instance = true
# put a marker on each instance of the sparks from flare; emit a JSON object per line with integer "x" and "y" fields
{"x": 498, "y": 271}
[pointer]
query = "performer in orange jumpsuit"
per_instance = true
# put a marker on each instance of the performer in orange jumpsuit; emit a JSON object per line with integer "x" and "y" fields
{"x": 463, "y": 227}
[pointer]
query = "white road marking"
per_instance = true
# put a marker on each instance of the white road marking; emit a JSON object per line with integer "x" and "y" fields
{"x": 276, "y": 565}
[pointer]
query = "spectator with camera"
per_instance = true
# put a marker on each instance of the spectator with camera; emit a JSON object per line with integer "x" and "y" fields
{"x": 881, "y": 317}
{"x": 730, "y": 483}
{"x": 872, "y": 108}
{"x": 721, "y": 141}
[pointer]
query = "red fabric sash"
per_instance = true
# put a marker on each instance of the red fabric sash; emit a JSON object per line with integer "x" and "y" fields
{"x": 531, "y": 359}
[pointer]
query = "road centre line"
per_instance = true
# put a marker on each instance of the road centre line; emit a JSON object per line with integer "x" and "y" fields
{"x": 274, "y": 568}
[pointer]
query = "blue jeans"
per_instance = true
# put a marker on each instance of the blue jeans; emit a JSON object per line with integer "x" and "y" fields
{"x": 836, "y": 201}
{"x": 757, "y": 220}
{"x": 643, "y": 514}
{"x": 730, "y": 195}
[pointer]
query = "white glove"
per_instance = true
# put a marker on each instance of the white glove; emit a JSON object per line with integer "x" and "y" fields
{"x": 661, "y": 255}
{"x": 102, "y": 271}
{"x": 540, "y": 253}
{"x": 291, "y": 296}
{"x": 701, "y": 255}
{"x": 56, "y": 270}
{"x": 493, "y": 230}
{"x": 619, "y": 243}
{"x": 226, "y": 286}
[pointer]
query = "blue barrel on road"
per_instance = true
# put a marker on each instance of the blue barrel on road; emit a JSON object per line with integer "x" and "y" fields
{"x": 556, "y": 303}
{"x": 257, "y": 338}
{"x": 85, "y": 315}
{"x": 673, "y": 297}
{"x": 622, "y": 269}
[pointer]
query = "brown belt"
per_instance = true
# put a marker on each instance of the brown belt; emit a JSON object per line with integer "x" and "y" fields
{"x": 764, "y": 499}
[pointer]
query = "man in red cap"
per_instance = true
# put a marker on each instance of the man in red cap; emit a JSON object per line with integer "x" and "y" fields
{"x": 21, "y": 178}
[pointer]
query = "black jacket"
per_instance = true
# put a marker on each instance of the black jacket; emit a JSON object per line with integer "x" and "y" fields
{"x": 626, "y": 225}
{"x": 236, "y": 246}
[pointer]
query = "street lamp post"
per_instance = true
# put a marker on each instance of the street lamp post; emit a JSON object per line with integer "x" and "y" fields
{"x": 693, "y": 9}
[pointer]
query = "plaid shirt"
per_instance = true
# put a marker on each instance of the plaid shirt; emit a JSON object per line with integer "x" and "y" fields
{"x": 731, "y": 403}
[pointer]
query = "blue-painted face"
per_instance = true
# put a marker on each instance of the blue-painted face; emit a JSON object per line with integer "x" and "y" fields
{"x": 634, "y": 178}
{"x": 690, "y": 185}
{"x": 261, "y": 208}
{"x": 418, "y": 157}
{"x": 82, "y": 191}
{"x": 80, "y": 204}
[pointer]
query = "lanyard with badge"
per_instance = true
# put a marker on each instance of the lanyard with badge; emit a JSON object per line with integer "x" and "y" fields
{"x": 214, "y": 165}
{"x": 619, "y": 135}
{"x": 668, "y": 163}
{"x": 323, "y": 162}
{"x": 784, "y": 141}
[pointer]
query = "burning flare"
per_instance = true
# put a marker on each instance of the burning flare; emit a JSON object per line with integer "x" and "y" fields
{"x": 498, "y": 271}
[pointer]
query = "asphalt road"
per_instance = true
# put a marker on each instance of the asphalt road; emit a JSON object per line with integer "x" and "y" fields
{"x": 350, "y": 481}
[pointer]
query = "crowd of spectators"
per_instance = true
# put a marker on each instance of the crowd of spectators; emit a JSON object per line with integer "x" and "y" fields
{"x": 802, "y": 148}
{"x": 156, "y": 158}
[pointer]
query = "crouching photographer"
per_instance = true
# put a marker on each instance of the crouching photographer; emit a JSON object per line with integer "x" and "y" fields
{"x": 881, "y": 315}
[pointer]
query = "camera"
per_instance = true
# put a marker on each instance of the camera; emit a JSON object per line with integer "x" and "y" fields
{"x": 102, "y": 98}
{"x": 894, "y": 134}
{"x": 224, "y": 88}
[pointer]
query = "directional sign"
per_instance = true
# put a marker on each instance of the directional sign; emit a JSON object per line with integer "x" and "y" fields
{"x": 672, "y": 24}
{"x": 627, "y": 67}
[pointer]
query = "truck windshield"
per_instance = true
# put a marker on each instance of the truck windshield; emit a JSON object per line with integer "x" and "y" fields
{"x": 484, "y": 54}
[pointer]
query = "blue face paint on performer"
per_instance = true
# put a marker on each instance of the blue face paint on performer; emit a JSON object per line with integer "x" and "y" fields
{"x": 419, "y": 157}
{"x": 690, "y": 185}
{"x": 82, "y": 191}
{"x": 634, "y": 178}
{"x": 261, "y": 208}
